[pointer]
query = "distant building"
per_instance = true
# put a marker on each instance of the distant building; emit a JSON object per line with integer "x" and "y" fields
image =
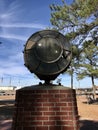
{"x": 7, "y": 87}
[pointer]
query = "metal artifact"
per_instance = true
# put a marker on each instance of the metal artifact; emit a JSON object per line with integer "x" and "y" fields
{"x": 47, "y": 53}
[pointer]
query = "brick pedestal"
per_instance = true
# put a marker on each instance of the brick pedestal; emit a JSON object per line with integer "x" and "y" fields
{"x": 45, "y": 109}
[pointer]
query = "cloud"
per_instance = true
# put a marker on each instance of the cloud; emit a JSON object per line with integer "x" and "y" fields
{"x": 10, "y": 11}
{"x": 13, "y": 36}
{"x": 13, "y": 70}
{"x": 23, "y": 25}
{"x": 7, "y": 28}
{"x": 14, "y": 26}
{"x": 12, "y": 22}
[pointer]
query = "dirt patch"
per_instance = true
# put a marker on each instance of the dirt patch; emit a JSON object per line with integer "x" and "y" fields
{"x": 87, "y": 111}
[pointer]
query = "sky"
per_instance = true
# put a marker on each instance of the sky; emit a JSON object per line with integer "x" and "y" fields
{"x": 19, "y": 19}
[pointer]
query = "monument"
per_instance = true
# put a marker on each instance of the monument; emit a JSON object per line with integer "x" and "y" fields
{"x": 46, "y": 106}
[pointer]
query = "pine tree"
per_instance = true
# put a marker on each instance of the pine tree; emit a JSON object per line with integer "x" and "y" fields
{"x": 77, "y": 21}
{"x": 89, "y": 62}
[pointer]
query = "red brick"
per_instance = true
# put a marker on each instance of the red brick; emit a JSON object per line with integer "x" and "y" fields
{"x": 36, "y": 113}
{"x": 55, "y": 127}
{"x": 20, "y": 109}
{"x": 49, "y": 123}
{"x": 29, "y": 123}
{"x": 42, "y": 109}
{"x": 60, "y": 95}
{"x": 61, "y": 104}
{"x": 69, "y": 100}
{"x": 63, "y": 100}
{"x": 42, "y": 118}
{"x": 19, "y": 118}
{"x": 46, "y": 110}
{"x": 76, "y": 117}
{"x": 69, "y": 95}
{"x": 36, "y": 104}
{"x": 55, "y": 118}
{"x": 48, "y": 95}
{"x": 49, "y": 113}
{"x": 42, "y": 128}
{"x": 29, "y": 118}
{"x": 37, "y": 95}
{"x": 62, "y": 113}
{"x": 54, "y": 108}
{"x": 28, "y": 128}
{"x": 70, "y": 104}
{"x": 41, "y": 91}
{"x": 29, "y": 108}
{"x": 68, "y": 128}
{"x": 66, "y": 118}
{"x": 66, "y": 108}
{"x": 54, "y": 100}
{"x": 62, "y": 123}
{"x": 74, "y": 103}
{"x": 48, "y": 104}
{"x": 66, "y": 91}
{"x": 75, "y": 112}
{"x": 54, "y": 91}
{"x": 41, "y": 100}
{"x": 36, "y": 123}
{"x": 70, "y": 113}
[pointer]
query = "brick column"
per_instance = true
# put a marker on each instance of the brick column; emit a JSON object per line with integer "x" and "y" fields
{"x": 45, "y": 109}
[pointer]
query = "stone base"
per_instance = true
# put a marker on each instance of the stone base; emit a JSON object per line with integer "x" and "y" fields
{"x": 45, "y": 108}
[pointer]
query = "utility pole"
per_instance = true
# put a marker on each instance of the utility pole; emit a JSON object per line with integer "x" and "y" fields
{"x": 71, "y": 74}
{"x": 10, "y": 81}
{"x": 1, "y": 81}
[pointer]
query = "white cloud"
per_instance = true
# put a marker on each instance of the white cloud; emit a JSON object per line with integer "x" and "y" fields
{"x": 6, "y": 30}
{"x": 14, "y": 26}
{"x": 9, "y": 11}
{"x": 13, "y": 70}
{"x": 11, "y": 24}
{"x": 13, "y": 36}
{"x": 23, "y": 25}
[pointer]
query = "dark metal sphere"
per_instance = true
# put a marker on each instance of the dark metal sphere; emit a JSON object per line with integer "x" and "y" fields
{"x": 47, "y": 53}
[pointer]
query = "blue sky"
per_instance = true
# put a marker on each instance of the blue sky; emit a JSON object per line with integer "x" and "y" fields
{"x": 19, "y": 19}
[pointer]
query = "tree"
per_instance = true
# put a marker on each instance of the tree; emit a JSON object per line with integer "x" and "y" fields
{"x": 89, "y": 62}
{"x": 76, "y": 21}
{"x": 74, "y": 63}
{"x": 75, "y": 16}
